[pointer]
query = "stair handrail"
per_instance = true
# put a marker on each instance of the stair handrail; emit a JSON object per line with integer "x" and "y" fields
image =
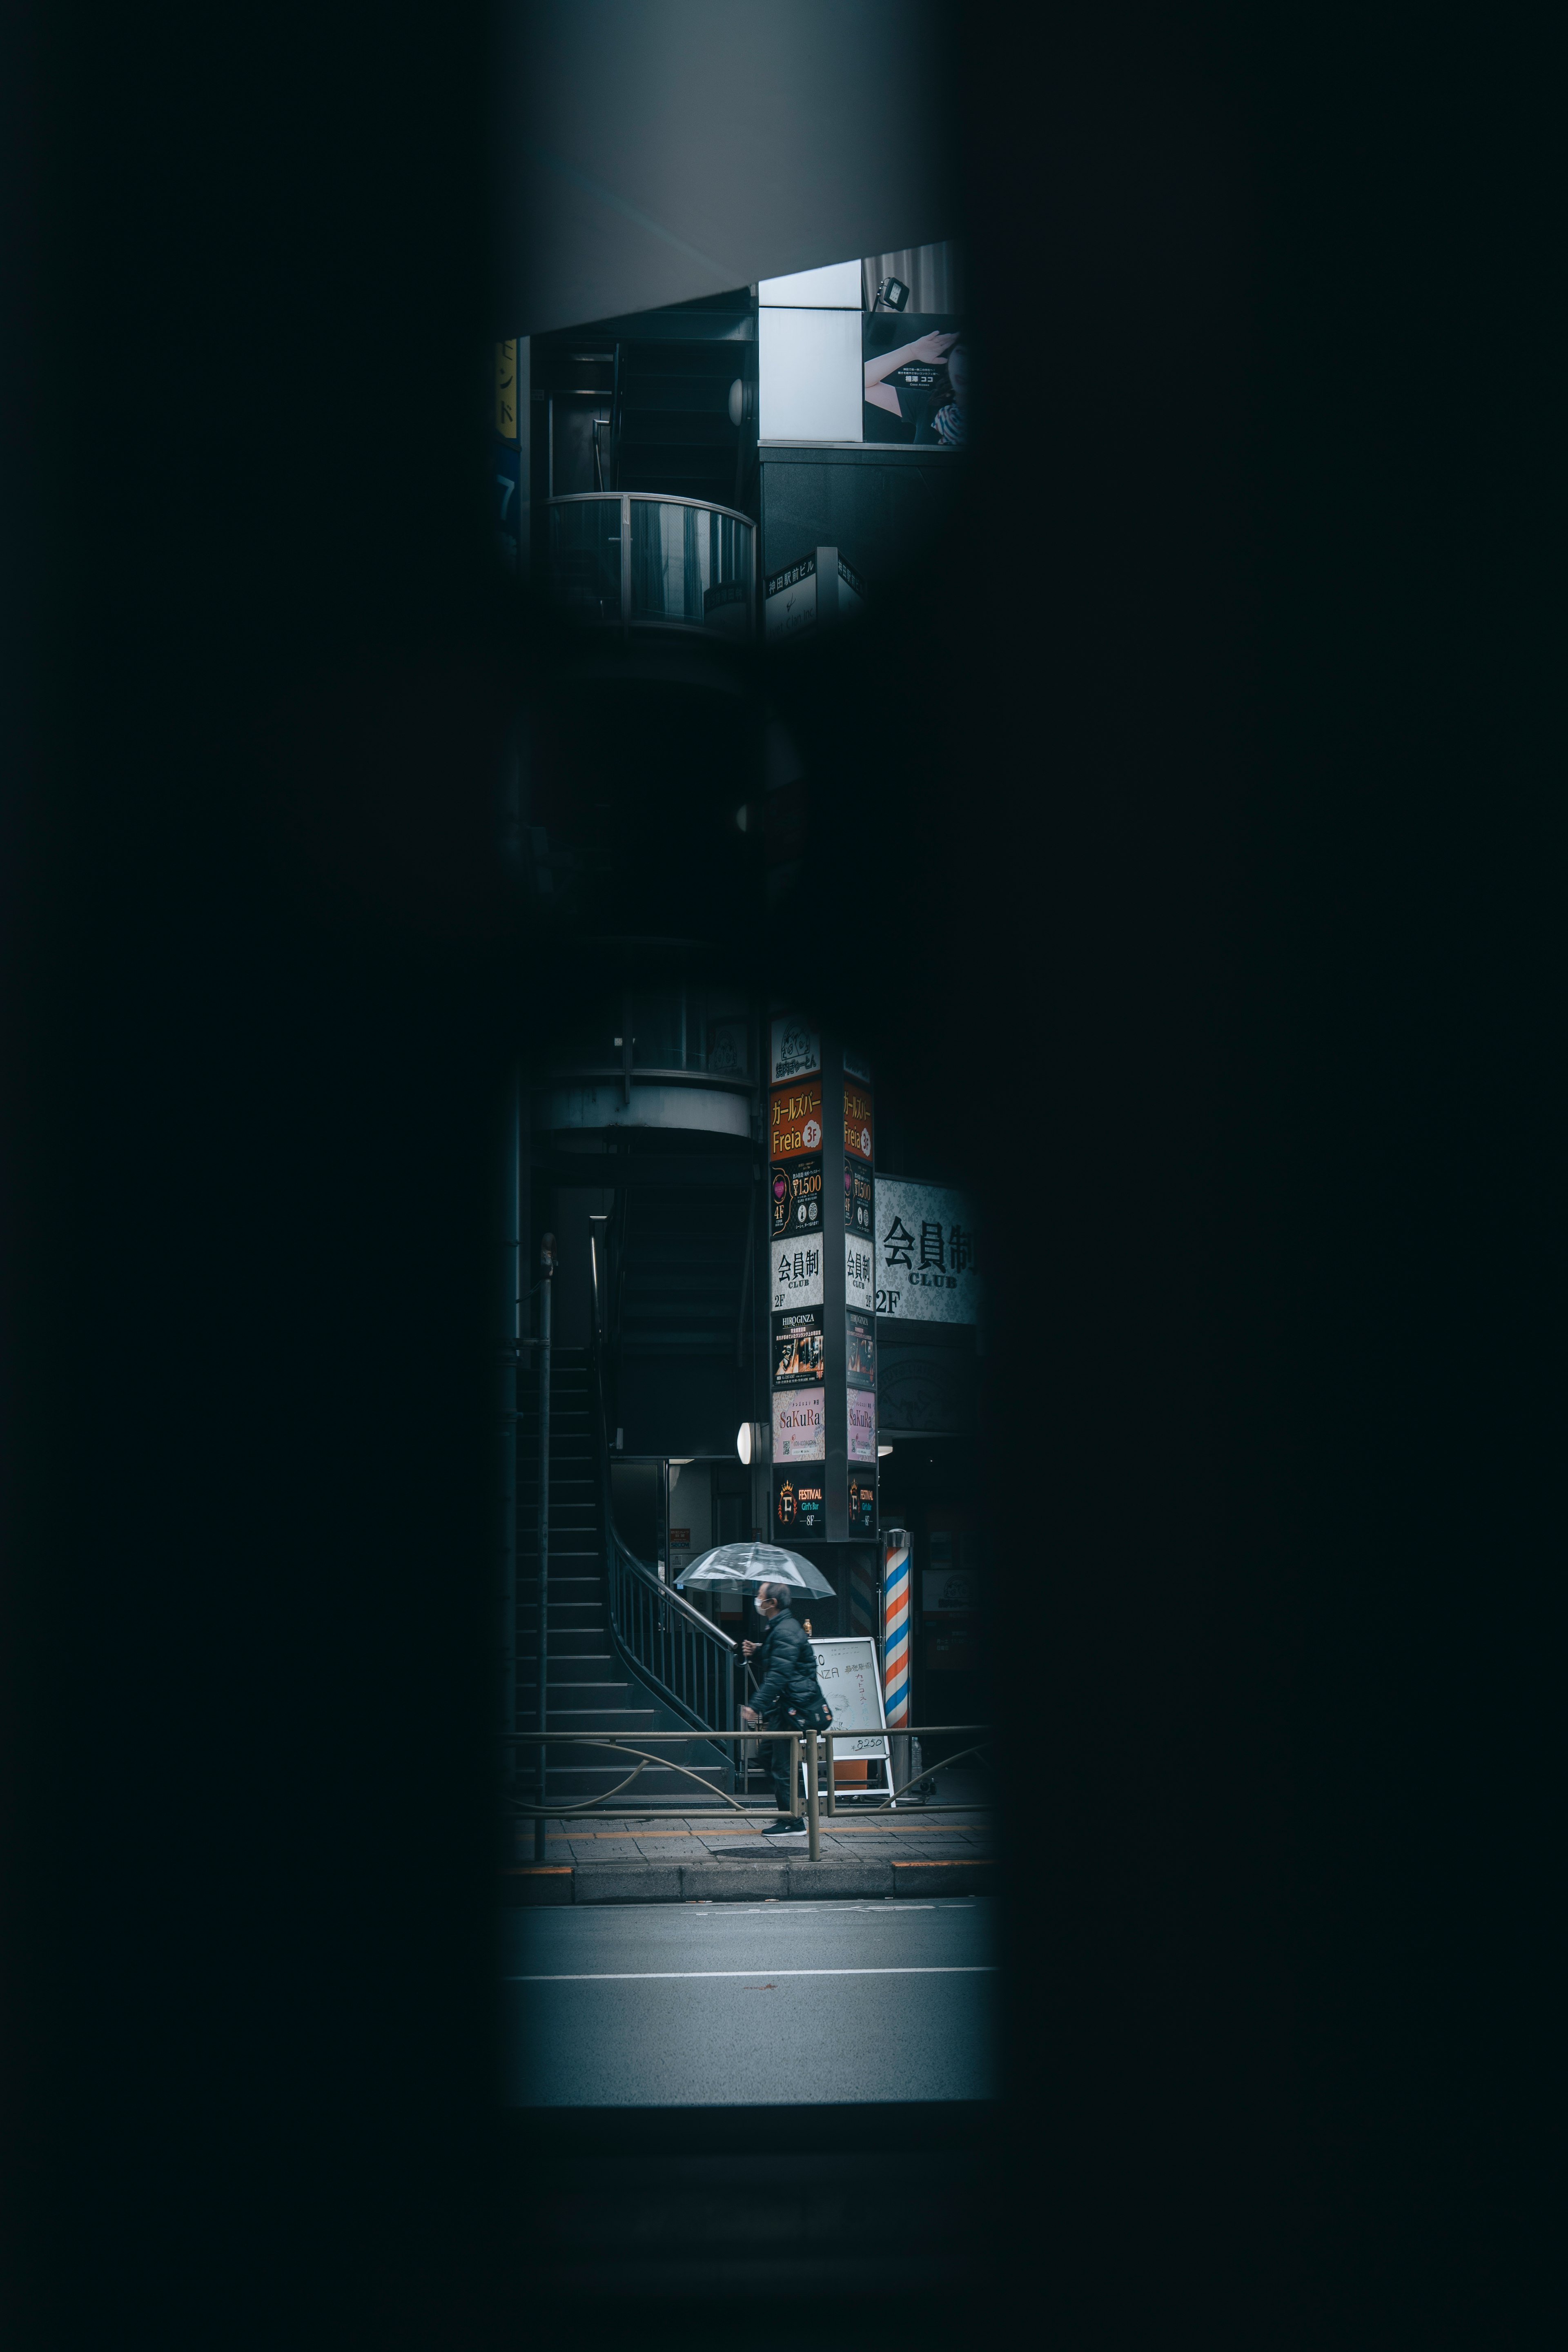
{"x": 667, "y": 1592}
{"x": 621, "y": 1555}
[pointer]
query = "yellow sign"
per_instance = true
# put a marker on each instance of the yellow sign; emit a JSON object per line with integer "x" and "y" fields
{"x": 506, "y": 390}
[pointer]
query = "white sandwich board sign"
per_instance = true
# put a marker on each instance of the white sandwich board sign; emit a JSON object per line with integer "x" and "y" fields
{"x": 853, "y": 1689}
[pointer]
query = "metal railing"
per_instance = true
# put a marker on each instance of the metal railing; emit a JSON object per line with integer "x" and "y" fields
{"x": 681, "y": 1656}
{"x": 668, "y": 561}
{"x": 810, "y": 1748}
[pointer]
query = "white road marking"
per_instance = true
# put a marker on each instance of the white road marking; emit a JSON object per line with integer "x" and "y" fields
{"x": 888, "y": 1910}
{"x": 646, "y": 1975}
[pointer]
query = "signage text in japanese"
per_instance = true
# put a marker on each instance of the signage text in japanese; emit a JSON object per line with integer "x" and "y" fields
{"x": 858, "y": 1121}
{"x": 796, "y": 1120}
{"x": 798, "y": 1050}
{"x": 927, "y": 1267}
{"x": 797, "y": 1269}
{"x": 859, "y": 1288}
{"x": 858, "y": 1203}
{"x": 795, "y": 1196}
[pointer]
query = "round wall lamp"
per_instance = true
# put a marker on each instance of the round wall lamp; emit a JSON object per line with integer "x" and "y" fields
{"x": 881, "y": 1450}
{"x": 751, "y": 1440}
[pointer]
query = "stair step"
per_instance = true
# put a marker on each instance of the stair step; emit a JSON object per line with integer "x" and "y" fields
{"x": 596, "y": 1691}
{"x": 628, "y": 1721}
{"x": 585, "y": 1644}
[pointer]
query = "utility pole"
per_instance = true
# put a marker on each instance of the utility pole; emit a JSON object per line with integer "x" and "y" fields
{"x": 546, "y": 1269}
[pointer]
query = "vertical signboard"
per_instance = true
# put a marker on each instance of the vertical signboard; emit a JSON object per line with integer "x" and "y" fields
{"x": 795, "y": 1204}
{"x": 795, "y": 1269}
{"x": 824, "y": 1366}
{"x": 859, "y": 1300}
{"x": 860, "y": 1375}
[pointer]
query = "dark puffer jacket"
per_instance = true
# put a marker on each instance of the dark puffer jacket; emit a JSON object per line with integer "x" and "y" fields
{"x": 787, "y": 1665}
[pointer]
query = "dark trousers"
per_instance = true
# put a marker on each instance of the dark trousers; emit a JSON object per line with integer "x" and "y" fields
{"x": 787, "y": 1799}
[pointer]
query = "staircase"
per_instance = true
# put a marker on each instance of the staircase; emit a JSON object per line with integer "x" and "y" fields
{"x": 590, "y": 1688}
{"x": 684, "y": 1270}
{"x": 672, "y": 428}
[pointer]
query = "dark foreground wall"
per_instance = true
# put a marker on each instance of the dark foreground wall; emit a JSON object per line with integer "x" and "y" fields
{"x": 1225, "y": 851}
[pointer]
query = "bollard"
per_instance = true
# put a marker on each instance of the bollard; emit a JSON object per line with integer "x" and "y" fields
{"x": 794, "y": 1769}
{"x": 813, "y": 1824}
{"x": 827, "y": 1744}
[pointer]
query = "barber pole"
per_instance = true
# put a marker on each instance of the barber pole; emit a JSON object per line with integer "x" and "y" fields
{"x": 896, "y": 1630}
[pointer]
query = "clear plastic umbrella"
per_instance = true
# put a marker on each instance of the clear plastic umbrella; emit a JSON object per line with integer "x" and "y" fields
{"x": 754, "y": 1564}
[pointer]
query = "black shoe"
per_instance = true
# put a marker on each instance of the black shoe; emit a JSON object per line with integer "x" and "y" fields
{"x": 795, "y": 1829}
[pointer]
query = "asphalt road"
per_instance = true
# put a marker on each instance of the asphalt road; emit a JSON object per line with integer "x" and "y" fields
{"x": 737, "y": 2004}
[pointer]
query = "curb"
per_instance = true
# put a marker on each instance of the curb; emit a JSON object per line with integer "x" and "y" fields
{"x": 537, "y": 1883}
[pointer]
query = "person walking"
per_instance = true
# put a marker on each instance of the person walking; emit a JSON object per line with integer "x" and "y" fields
{"x": 787, "y": 1692}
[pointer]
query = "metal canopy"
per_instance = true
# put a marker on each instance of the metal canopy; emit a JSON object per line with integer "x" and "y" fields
{"x": 649, "y": 155}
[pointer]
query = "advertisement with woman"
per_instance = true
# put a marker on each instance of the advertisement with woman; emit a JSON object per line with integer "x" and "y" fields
{"x": 917, "y": 381}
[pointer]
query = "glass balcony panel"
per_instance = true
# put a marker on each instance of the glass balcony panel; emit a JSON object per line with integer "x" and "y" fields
{"x": 586, "y": 1040}
{"x": 659, "y": 1021}
{"x": 586, "y": 558}
{"x": 672, "y": 1029}
{"x": 726, "y": 1036}
{"x": 691, "y": 565}
{"x": 667, "y": 562}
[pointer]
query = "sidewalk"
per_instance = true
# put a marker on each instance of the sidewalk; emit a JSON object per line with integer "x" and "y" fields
{"x": 598, "y": 1858}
